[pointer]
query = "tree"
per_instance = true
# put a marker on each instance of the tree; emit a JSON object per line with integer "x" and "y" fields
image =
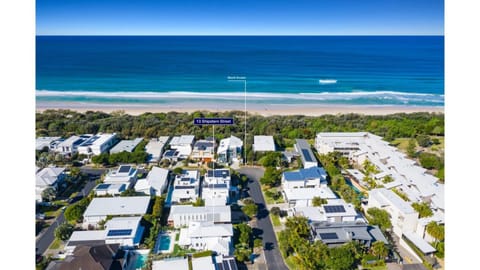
{"x": 178, "y": 170}
{"x": 317, "y": 201}
{"x": 158, "y": 207}
{"x": 379, "y": 217}
{"x": 275, "y": 211}
{"x": 199, "y": 202}
{"x": 257, "y": 243}
{"x": 271, "y": 159}
{"x": 340, "y": 258}
{"x": 423, "y": 209}
{"x": 128, "y": 193}
{"x": 387, "y": 179}
{"x": 411, "y": 148}
{"x": 429, "y": 160}
{"x": 423, "y": 140}
{"x": 74, "y": 212}
{"x": 63, "y": 231}
{"x": 379, "y": 249}
{"x": 271, "y": 177}
{"x": 250, "y": 210}
{"x": 49, "y": 194}
{"x": 436, "y": 231}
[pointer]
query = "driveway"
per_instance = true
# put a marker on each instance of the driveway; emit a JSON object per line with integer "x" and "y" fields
{"x": 272, "y": 253}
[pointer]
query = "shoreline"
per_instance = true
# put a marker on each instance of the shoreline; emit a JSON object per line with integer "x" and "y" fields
{"x": 264, "y": 110}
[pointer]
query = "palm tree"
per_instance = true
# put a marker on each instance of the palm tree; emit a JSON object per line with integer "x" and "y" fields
{"x": 379, "y": 249}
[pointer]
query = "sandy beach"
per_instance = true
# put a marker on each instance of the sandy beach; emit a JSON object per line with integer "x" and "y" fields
{"x": 265, "y": 110}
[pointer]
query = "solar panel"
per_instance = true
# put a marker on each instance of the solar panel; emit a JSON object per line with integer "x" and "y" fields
{"x": 334, "y": 208}
{"x": 328, "y": 236}
{"x": 306, "y": 155}
{"x": 103, "y": 186}
{"x": 232, "y": 263}
{"x": 119, "y": 232}
{"x": 220, "y": 266}
{"x": 218, "y": 173}
{"x": 124, "y": 169}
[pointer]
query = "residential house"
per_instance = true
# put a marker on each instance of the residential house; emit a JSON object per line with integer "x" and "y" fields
{"x": 69, "y": 146}
{"x": 109, "y": 189}
{"x": 300, "y": 187}
{"x": 216, "y": 188}
{"x": 334, "y": 211}
{"x": 186, "y": 186}
{"x": 126, "y": 146}
{"x": 229, "y": 150}
{"x": 306, "y": 155}
{"x": 124, "y": 231}
{"x": 100, "y": 208}
{"x": 183, "y": 144}
{"x": 97, "y": 144}
{"x": 97, "y": 257}
{"x": 263, "y": 143}
{"x": 47, "y": 142}
{"x": 203, "y": 263}
{"x": 48, "y": 177}
{"x": 182, "y": 215}
{"x": 177, "y": 263}
{"x": 154, "y": 148}
{"x": 125, "y": 174}
{"x": 204, "y": 150}
{"x": 337, "y": 234}
{"x": 155, "y": 183}
{"x": 207, "y": 236}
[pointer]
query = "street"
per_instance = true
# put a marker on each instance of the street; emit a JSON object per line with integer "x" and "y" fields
{"x": 46, "y": 239}
{"x": 272, "y": 253}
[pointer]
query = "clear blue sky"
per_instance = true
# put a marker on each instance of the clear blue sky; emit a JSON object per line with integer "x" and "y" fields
{"x": 240, "y": 17}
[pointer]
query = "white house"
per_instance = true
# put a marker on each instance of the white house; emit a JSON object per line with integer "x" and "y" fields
{"x": 207, "y": 236}
{"x": 182, "y": 215}
{"x": 125, "y": 231}
{"x": 203, "y": 263}
{"x": 402, "y": 215}
{"x": 48, "y": 142}
{"x": 263, "y": 143}
{"x": 173, "y": 263}
{"x": 48, "y": 177}
{"x": 229, "y": 150}
{"x": 186, "y": 186}
{"x": 300, "y": 187}
{"x": 154, "y": 148}
{"x": 109, "y": 189}
{"x": 306, "y": 155}
{"x": 125, "y": 146}
{"x": 97, "y": 144}
{"x": 334, "y": 211}
{"x": 100, "y": 208}
{"x": 70, "y": 145}
{"x": 204, "y": 150}
{"x": 125, "y": 174}
{"x": 155, "y": 183}
{"x": 216, "y": 188}
{"x": 183, "y": 144}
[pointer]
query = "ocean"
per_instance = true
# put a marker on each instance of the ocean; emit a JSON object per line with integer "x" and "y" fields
{"x": 290, "y": 70}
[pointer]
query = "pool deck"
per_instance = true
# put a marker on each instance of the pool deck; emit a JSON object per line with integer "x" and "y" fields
{"x": 133, "y": 260}
{"x": 172, "y": 242}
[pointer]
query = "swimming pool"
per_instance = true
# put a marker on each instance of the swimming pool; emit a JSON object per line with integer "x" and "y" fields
{"x": 141, "y": 261}
{"x": 164, "y": 242}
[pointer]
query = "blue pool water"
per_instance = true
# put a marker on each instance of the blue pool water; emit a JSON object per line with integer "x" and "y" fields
{"x": 164, "y": 242}
{"x": 141, "y": 260}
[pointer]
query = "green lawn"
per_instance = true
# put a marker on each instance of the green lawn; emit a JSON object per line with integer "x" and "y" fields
{"x": 290, "y": 263}
{"x": 276, "y": 220}
{"x": 271, "y": 200}
{"x": 55, "y": 244}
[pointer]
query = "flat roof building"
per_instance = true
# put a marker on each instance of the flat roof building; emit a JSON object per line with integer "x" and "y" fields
{"x": 155, "y": 183}
{"x": 97, "y": 144}
{"x": 182, "y": 215}
{"x": 100, "y": 208}
{"x": 263, "y": 143}
{"x": 48, "y": 142}
{"x": 337, "y": 234}
{"x": 172, "y": 263}
{"x": 155, "y": 148}
{"x": 126, "y": 146}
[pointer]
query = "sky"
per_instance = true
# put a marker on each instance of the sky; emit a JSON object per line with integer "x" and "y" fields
{"x": 240, "y": 17}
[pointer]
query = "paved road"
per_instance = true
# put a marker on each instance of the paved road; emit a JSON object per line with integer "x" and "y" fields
{"x": 46, "y": 239}
{"x": 272, "y": 253}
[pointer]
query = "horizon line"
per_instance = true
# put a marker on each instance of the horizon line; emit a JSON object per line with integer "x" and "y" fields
{"x": 243, "y": 35}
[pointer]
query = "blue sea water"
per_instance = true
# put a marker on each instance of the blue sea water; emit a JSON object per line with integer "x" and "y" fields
{"x": 360, "y": 70}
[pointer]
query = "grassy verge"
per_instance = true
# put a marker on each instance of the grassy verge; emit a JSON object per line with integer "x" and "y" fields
{"x": 290, "y": 263}
{"x": 276, "y": 221}
{"x": 55, "y": 244}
